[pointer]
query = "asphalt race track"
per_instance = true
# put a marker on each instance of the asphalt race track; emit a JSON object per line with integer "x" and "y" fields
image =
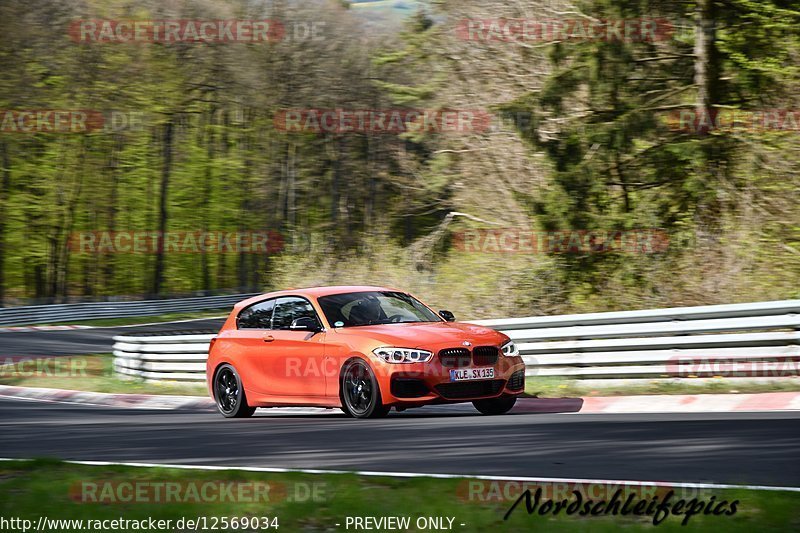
{"x": 89, "y": 341}
{"x": 738, "y": 448}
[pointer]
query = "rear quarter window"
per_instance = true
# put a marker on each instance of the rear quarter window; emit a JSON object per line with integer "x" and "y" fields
{"x": 256, "y": 316}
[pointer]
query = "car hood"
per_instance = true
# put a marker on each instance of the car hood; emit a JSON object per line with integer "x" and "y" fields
{"x": 427, "y": 335}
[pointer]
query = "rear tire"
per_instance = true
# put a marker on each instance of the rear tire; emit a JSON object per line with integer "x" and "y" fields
{"x": 495, "y": 406}
{"x": 359, "y": 391}
{"x": 229, "y": 393}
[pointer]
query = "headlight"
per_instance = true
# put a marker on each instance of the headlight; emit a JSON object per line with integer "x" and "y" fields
{"x": 510, "y": 349}
{"x": 403, "y": 355}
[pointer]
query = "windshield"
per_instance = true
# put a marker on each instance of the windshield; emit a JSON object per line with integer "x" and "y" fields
{"x": 374, "y": 307}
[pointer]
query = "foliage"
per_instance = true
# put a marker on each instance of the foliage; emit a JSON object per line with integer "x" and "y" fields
{"x": 579, "y": 140}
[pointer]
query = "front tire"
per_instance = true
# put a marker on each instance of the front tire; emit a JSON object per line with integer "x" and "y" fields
{"x": 229, "y": 393}
{"x": 359, "y": 391}
{"x": 495, "y": 406}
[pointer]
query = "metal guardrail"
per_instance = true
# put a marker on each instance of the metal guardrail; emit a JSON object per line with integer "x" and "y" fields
{"x": 43, "y": 314}
{"x": 162, "y": 358}
{"x": 757, "y": 341}
{"x": 741, "y": 342}
{"x": 781, "y": 307}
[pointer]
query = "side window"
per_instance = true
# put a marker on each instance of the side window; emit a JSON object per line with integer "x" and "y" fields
{"x": 258, "y": 316}
{"x": 290, "y": 309}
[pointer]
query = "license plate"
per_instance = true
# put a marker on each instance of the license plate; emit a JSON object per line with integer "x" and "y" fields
{"x": 468, "y": 374}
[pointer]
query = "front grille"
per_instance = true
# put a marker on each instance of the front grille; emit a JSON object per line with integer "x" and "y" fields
{"x": 408, "y": 388}
{"x": 455, "y": 357}
{"x": 517, "y": 380}
{"x": 484, "y": 355}
{"x": 470, "y": 389}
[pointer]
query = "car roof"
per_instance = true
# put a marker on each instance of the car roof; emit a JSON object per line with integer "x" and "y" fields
{"x": 314, "y": 292}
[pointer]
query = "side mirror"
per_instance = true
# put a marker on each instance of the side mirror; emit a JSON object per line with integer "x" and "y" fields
{"x": 447, "y": 315}
{"x": 305, "y": 323}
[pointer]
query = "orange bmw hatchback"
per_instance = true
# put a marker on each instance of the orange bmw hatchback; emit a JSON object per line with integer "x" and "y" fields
{"x": 361, "y": 349}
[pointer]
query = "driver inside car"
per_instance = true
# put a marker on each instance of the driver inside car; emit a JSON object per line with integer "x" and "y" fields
{"x": 367, "y": 311}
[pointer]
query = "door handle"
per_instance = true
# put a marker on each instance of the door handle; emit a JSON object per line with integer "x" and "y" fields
{"x": 268, "y": 338}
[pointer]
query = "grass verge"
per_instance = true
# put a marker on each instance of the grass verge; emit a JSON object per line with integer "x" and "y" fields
{"x": 318, "y": 502}
{"x": 93, "y": 373}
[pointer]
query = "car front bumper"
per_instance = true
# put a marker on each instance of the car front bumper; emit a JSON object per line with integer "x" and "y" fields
{"x": 429, "y": 383}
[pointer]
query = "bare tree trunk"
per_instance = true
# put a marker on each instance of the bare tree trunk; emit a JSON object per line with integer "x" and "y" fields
{"x": 707, "y": 79}
{"x": 5, "y": 188}
{"x": 623, "y": 180}
{"x": 243, "y": 226}
{"x": 109, "y": 262}
{"x": 69, "y": 222}
{"x": 291, "y": 191}
{"x": 205, "y": 267}
{"x": 250, "y": 262}
{"x": 40, "y": 281}
{"x": 166, "y": 169}
{"x": 706, "y": 63}
{"x": 335, "y": 191}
